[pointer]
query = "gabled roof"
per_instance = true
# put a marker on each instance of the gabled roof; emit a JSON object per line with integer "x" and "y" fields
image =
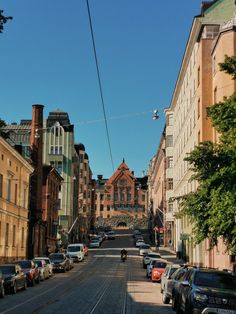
{"x": 123, "y": 169}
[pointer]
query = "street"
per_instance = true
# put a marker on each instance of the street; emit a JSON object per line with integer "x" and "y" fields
{"x": 99, "y": 284}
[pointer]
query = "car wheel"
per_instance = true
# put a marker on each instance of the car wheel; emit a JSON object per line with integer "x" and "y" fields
{"x": 14, "y": 288}
{"x": 165, "y": 299}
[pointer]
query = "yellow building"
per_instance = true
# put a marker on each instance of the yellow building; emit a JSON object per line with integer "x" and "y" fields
{"x": 15, "y": 174}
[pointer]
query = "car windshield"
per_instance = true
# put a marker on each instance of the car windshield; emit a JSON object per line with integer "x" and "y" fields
{"x": 25, "y": 264}
{"x": 146, "y": 246}
{"x": 74, "y": 248}
{"x": 8, "y": 269}
{"x": 39, "y": 263}
{"x": 159, "y": 264}
{"x": 215, "y": 280}
{"x": 153, "y": 256}
{"x": 56, "y": 256}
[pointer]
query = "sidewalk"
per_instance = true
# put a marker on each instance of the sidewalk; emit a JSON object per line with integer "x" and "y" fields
{"x": 168, "y": 254}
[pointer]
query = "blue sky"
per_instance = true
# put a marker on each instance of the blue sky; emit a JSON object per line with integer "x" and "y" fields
{"x": 46, "y": 57}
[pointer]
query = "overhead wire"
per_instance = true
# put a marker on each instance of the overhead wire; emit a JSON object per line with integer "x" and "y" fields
{"x": 100, "y": 84}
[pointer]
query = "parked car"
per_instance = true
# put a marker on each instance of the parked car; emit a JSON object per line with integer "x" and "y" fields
{"x": 31, "y": 271}
{"x": 150, "y": 256}
{"x": 144, "y": 249}
{"x": 157, "y": 270}
{"x": 165, "y": 278}
{"x": 60, "y": 262}
{"x": 94, "y": 243}
{"x": 206, "y": 291}
{"x": 71, "y": 261}
{"x": 139, "y": 243}
{"x": 14, "y": 277}
{"x": 172, "y": 283}
{"x": 2, "y": 288}
{"x": 43, "y": 268}
{"x": 76, "y": 251}
{"x": 111, "y": 235}
{"x": 150, "y": 267}
{"x": 49, "y": 264}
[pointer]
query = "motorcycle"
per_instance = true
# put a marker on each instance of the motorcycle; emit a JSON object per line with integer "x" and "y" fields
{"x": 123, "y": 257}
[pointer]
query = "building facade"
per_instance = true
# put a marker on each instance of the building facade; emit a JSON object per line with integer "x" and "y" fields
{"x": 14, "y": 207}
{"x": 199, "y": 85}
{"x": 121, "y": 195}
{"x": 58, "y": 152}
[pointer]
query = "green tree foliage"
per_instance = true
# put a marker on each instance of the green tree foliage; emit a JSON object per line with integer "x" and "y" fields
{"x": 3, "y": 20}
{"x": 212, "y": 207}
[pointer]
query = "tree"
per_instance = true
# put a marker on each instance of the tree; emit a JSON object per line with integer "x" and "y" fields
{"x": 2, "y": 123}
{"x": 212, "y": 207}
{"x": 3, "y": 20}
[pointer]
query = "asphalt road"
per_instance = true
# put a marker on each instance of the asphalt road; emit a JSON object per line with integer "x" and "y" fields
{"x": 100, "y": 284}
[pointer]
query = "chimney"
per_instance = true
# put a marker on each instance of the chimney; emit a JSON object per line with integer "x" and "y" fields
{"x": 36, "y": 142}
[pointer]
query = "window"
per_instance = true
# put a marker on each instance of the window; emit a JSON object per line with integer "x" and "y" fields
{"x": 199, "y": 137}
{"x": 122, "y": 197}
{"x": 1, "y": 184}
{"x": 7, "y": 234}
{"x": 59, "y": 167}
{"x": 15, "y": 200}
{"x": 24, "y": 197}
{"x": 9, "y": 189}
{"x": 170, "y": 119}
{"x": 52, "y": 164}
{"x": 51, "y": 150}
{"x": 169, "y": 141}
{"x": 170, "y": 162}
{"x": 60, "y": 150}
{"x": 170, "y": 184}
{"x": 101, "y": 197}
{"x": 22, "y": 237}
{"x": 56, "y": 150}
{"x": 101, "y": 207}
{"x": 198, "y": 108}
{"x": 108, "y": 197}
{"x": 2, "y": 157}
{"x": 170, "y": 206}
{"x": 14, "y": 236}
{"x": 129, "y": 197}
{"x": 116, "y": 197}
{"x": 215, "y": 95}
{"x": 108, "y": 207}
{"x": 198, "y": 76}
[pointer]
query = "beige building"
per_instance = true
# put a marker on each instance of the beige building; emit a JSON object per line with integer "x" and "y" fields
{"x": 199, "y": 85}
{"x": 15, "y": 173}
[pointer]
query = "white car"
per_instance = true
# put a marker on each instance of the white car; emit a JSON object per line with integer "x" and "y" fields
{"x": 165, "y": 278}
{"x": 94, "y": 243}
{"x": 150, "y": 256}
{"x": 43, "y": 268}
{"x": 139, "y": 243}
{"x": 144, "y": 249}
{"x": 76, "y": 251}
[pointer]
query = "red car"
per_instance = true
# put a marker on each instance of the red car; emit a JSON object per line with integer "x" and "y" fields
{"x": 157, "y": 270}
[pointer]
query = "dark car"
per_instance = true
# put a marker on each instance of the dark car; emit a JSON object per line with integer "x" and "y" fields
{"x": 2, "y": 289}
{"x": 14, "y": 277}
{"x": 206, "y": 291}
{"x": 60, "y": 262}
{"x": 31, "y": 271}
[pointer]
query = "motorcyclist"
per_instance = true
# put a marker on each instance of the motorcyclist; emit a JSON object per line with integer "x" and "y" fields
{"x": 123, "y": 252}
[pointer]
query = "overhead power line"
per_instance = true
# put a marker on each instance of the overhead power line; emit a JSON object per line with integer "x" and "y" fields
{"x": 100, "y": 84}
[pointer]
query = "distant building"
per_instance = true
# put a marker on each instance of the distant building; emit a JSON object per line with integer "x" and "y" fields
{"x": 121, "y": 195}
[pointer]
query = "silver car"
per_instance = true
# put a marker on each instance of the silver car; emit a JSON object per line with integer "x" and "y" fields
{"x": 150, "y": 256}
{"x": 165, "y": 278}
{"x": 43, "y": 268}
{"x": 49, "y": 264}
